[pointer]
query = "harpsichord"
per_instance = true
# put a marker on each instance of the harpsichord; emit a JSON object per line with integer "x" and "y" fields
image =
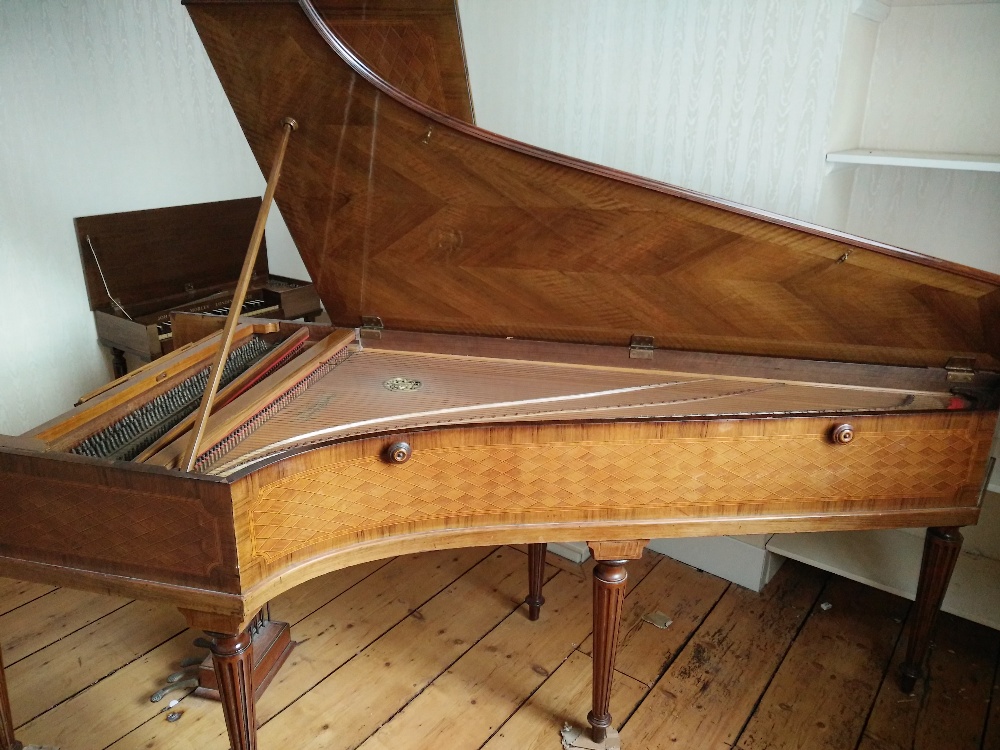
{"x": 524, "y": 348}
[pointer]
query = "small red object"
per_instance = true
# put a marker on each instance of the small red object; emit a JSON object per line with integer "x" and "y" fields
{"x": 957, "y": 402}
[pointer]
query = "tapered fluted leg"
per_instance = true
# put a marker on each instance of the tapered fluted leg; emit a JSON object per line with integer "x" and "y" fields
{"x": 7, "y": 741}
{"x": 234, "y": 672}
{"x": 941, "y": 548}
{"x": 536, "y": 579}
{"x": 609, "y": 593}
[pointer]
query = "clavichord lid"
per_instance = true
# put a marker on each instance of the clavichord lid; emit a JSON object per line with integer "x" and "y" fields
{"x": 155, "y": 259}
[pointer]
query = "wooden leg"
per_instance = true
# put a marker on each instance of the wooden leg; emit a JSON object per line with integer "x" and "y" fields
{"x": 941, "y": 548}
{"x": 118, "y": 364}
{"x": 536, "y": 579}
{"x": 7, "y": 741}
{"x": 609, "y": 593}
{"x": 234, "y": 673}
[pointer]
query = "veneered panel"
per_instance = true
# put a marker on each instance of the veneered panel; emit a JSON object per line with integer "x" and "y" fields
{"x": 404, "y": 213}
{"x": 416, "y": 44}
{"x": 126, "y": 521}
{"x": 613, "y": 480}
{"x": 159, "y": 257}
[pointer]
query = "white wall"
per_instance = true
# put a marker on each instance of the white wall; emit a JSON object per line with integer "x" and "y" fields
{"x": 848, "y": 119}
{"x": 728, "y": 97}
{"x": 951, "y": 214}
{"x": 105, "y": 106}
{"x": 934, "y": 87}
{"x": 743, "y": 100}
{"x": 935, "y": 83}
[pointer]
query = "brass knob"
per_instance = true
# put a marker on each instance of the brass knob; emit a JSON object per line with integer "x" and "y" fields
{"x": 842, "y": 434}
{"x": 398, "y": 453}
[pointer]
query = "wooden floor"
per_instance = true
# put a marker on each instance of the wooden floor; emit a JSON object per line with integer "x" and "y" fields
{"x": 433, "y": 651}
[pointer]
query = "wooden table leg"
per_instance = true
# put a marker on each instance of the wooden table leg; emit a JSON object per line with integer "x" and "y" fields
{"x": 119, "y": 366}
{"x": 610, "y": 578}
{"x": 609, "y": 593}
{"x": 7, "y": 741}
{"x": 941, "y": 548}
{"x": 536, "y": 579}
{"x": 234, "y": 672}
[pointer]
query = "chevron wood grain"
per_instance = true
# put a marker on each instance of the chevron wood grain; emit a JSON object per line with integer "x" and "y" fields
{"x": 431, "y": 224}
{"x": 416, "y": 45}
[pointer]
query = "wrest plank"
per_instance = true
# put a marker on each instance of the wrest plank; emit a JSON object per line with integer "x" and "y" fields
{"x": 464, "y": 706}
{"x": 47, "y": 619}
{"x": 328, "y": 637}
{"x": 685, "y": 595}
{"x": 14, "y": 593}
{"x": 949, "y": 708}
{"x": 834, "y": 667}
{"x": 711, "y": 689}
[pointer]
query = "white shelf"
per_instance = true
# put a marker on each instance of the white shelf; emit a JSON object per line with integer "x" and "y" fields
{"x": 922, "y": 159}
{"x": 890, "y": 561}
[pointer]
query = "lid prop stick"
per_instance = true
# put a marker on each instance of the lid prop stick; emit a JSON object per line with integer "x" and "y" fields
{"x": 215, "y": 374}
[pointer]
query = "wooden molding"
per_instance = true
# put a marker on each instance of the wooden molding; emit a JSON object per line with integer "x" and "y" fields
{"x": 621, "y": 550}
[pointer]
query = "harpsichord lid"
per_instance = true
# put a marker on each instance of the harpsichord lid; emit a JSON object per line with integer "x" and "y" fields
{"x": 402, "y": 209}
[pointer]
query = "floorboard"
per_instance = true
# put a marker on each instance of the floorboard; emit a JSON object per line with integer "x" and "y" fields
{"x": 14, "y": 594}
{"x": 950, "y": 709}
{"x": 435, "y": 651}
{"x": 707, "y": 695}
{"x": 836, "y": 664}
{"x": 68, "y": 666}
{"x": 35, "y": 625}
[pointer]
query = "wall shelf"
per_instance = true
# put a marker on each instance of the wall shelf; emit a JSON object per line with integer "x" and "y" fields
{"x": 922, "y": 159}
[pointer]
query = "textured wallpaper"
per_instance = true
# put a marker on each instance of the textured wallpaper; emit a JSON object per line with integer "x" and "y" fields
{"x": 105, "y": 106}
{"x": 943, "y": 212}
{"x": 728, "y": 97}
{"x": 935, "y": 86}
{"x": 935, "y": 82}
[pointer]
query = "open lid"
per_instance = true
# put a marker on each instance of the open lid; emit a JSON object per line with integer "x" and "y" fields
{"x": 153, "y": 259}
{"x": 404, "y": 212}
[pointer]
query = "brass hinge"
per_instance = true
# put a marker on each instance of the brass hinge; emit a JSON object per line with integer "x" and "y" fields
{"x": 641, "y": 347}
{"x": 960, "y": 369}
{"x": 371, "y": 327}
